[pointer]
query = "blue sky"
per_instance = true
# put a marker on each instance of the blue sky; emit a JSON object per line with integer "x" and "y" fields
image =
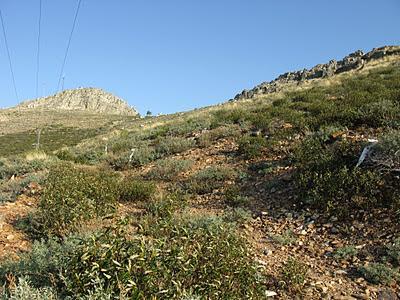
{"x": 168, "y": 56}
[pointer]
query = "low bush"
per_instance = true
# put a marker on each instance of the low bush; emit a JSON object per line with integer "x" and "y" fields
{"x": 200, "y": 257}
{"x": 229, "y": 116}
{"x": 168, "y": 169}
{"x": 42, "y": 266}
{"x": 132, "y": 189}
{"x": 251, "y": 146}
{"x": 19, "y": 166}
{"x": 345, "y": 252}
{"x": 165, "y": 206}
{"x": 135, "y": 158}
{"x": 73, "y": 195}
{"x": 173, "y": 145}
{"x": 23, "y": 290}
{"x": 393, "y": 251}
{"x": 378, "y": 273}
{"x": 286, "y": 238}
{"x": 209, "y": 179}
{"x": 238, "y": 216}
{"x": 234, "y": 198}
{"x": 207, "y": 138}
{"x": 328, "y": 179}
{"x": 294, "y": 274}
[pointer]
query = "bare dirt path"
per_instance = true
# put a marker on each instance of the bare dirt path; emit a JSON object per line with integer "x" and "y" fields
{"x": 13, "y": 240}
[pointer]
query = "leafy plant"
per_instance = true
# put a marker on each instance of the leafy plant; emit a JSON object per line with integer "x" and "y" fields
{"x": 251, "y": 146}
{"x": 200, "y": 257}
{"x": 234, "y": 198}
{"x": 209, "y": 179}
{"x": 379, "y": 273}
{"x": 136, "y": 190}
{"x": 73, "y": 195}
{"x": 294, "y": 274}
{"x": 286, "y": 238}
{"x": 345, "y": 252}
{"x": 173, "y": 145}
{"x": 168, "y": 169}
{"x": 393, "y": 251}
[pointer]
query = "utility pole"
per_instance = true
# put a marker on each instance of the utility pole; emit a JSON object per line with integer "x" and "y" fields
{"x": 39, "y": 132}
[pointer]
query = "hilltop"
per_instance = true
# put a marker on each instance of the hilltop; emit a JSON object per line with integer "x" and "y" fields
{"x": 91, "y": 100}
{"x": 285, "y": 194}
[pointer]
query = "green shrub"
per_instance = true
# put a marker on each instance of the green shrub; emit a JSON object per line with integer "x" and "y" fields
{"x": 24, "y": 291}
{"x": 345, "y": 252}
{"x": 393, "y": 251}
{"x": 286, "y": 238}
{"x": 228, "y": 116}
{"x": 168, "y": 169}
{"x": 386, "y": 154}
{"x": 294, "y": 274}
{"x": 200, "y": 257}
{"x": 209, "y": 179}
{"x": 173, "y": 145}
{"x": 378, "y": 273}
{"x": 251, "y": 146}
{"x": 65, "y": 154}
{"x": 73, "y": 195}
{"x": 42, "y": 265}
{"x": 135, "y": 158}
{"x": 327, "y": 178}
{"x": 19, "y": 166}
{"x": 238, "y": 216}
{"x": 91, "y": 157}
{"x": 136, "y": 190}
{"x": 207, "y": 138}
{"x": 167, "y": 205}
{"x": 234, "y": 198}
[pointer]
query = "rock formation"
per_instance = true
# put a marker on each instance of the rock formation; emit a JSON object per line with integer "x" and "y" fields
{"x": 353, "y": 61}
{"x": 83, "y": 99}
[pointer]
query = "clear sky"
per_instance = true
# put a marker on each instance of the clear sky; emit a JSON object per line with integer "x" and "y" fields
{"x": 168, "y": 56}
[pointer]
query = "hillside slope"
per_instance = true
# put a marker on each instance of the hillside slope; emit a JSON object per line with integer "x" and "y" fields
{"x": 251, "y": 199}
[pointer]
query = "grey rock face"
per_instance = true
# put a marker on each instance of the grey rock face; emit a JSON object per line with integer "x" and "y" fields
{"x": 353, "y": 61}
{"x": 83, "y": 99}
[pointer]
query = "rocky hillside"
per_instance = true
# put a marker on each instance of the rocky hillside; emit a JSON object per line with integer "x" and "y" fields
{"x": 83, "y": 99}
{"x": 354, "y": 61}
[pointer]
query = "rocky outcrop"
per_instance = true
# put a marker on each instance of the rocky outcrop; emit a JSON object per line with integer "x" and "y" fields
{"x": 83, "y": 99}
{"x": 353, "y": 61}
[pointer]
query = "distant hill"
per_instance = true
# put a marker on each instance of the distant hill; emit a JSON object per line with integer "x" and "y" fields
{"x": 91, "y": 100}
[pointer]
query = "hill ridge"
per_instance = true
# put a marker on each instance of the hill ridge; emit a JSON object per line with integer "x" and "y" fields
{"x": 87, "y": 99}
{"x": 354, "y": 61}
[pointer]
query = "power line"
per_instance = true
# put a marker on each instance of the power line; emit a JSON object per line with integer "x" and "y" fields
{"x": 69, "y": 43}
{"x": 8, "y": 54}
{"x": 38, "y": 50}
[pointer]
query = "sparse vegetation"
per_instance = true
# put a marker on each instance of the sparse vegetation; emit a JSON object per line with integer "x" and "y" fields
{"x": 294, "y": 274}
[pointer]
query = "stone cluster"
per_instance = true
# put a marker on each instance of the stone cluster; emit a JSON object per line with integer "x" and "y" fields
{"x": 353, "y": 61}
